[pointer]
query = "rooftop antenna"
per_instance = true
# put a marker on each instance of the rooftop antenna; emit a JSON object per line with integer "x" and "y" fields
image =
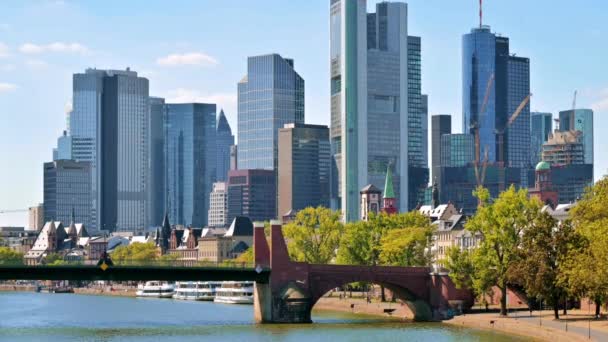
{"x": 480, "y": 13}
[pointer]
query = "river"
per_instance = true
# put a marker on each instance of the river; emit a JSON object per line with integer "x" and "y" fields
{"x": 28, "y": 316}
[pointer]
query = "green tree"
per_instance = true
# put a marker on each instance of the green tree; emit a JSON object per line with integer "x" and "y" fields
{"x": 360, "y": 244}
{"x": 246, "y": 257}
{"x": 585, "y": 268}
{"x": 461, "y": 266}
{"x": 135, "y": 253}
{"x": 314, "y": 235}
{"x": 501, "y": 224}
{"x": 407, "y": 246}
{"x": 10, "y": 257}
{"x": 544, "y": 246}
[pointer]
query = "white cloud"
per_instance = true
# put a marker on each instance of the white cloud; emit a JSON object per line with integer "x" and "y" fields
{"x": 36, "y": 64}
{"x": 30, "y": 48}
{"x": 6, "y": 87}
{"x": 227, "y": 101}
{"x": 192, "y": 58}
{"x": 4, "y": 50}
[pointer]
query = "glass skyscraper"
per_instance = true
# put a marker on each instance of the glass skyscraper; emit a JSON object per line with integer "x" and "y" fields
{"x": 579, "y": 120}
{"x": 269, "y": 96}
{"x": 370, "y": 100}
{"x": 109, "y": 128}
{"x": 224, "y": 139}
{"x": 67, "y": 189}
{"x": 156, "y": 195}
{"x": 457, "y": 150}
{"x": 540, "y": 128}
{"x": 190, "y": 161}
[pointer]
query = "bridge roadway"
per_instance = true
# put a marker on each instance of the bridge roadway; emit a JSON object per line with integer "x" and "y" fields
{"x": 134, "y": 273}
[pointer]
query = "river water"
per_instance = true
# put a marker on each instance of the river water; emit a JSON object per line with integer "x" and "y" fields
{"x": 68, "y": 317}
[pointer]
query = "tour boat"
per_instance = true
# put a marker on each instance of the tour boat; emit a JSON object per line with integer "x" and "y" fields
{"x": 235, "y": 292}
{"x": 190, "y": 290}
{"x": 155, "y": 289}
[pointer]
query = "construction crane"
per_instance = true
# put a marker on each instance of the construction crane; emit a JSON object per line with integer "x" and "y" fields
{"x": 501, "y": 133}
{"x": 480, "y": 177}
{"x": 10, "y": 211}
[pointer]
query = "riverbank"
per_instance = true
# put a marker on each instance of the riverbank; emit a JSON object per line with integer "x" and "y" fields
{"x": 106, "y": 291}
{"x": 518, "y": 324}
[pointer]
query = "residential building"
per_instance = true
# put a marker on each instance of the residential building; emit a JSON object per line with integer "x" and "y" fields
{"x": 457, "y": 150}
{"x": 109, "y": 129}
{"x": 225, "y": 140}
{"x": 579, "y": 120}
{"x": 564, "y": 148}
{"x": 17, "y": 238}
{"x": 230, "y": 245}
{"x": 190, "y": 161}
{"x": 36, "y": 217}
{"x": 540, "y": 129}
{"x": 370, "y": 123}
{"x": 67, "y": 191}
{"x": 269, "y": 96}
{"x": 218, "y": 206}
{"x": 156, "y": 162}
{"x": 304, "y": 167}
{"x": 252, "y": 193}
{"x": 440, "y": 124}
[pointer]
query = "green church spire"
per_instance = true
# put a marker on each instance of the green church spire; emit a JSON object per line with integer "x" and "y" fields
{"x": 389, "y": 192}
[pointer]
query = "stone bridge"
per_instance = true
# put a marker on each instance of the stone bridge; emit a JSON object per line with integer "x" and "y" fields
{"x": 295, "y": 287}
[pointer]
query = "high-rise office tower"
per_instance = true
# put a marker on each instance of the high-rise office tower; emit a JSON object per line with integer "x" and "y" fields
{"x": 304, "y": 167}
{"x": 156, "y": 148}
{"x": 224, "y": 139}
{"x": 234, "y": 152}
{"x": 67, "y": 190}
{"x": 579, "y": 120}
{"x": 64, "y": 147}
{"x": 252, "y": 193}
{"x": 540, "y": 129}
{"x": 190, "y": 158}
{"x": 440, "y": 124}
{"x": 369, "y": 100}
{"x": 488, "y": 67}
{"x": 109, "y": 128}
{"x": 457, "y": 150}
{"x": 269, "y": 96}
{"x": 218, "y": 205}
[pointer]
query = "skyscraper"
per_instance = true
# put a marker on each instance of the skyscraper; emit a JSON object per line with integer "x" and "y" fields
{"x": 457, "y": 150}
{"x": 440, "y": 124}
{"x": 64, "y": 147}
{"x": 224, "y": 139}
{"x": 496, "y": 83}
{"x": 67, "y": 190}
{"x": 157, "y": 190}
{"x": 579, "y": 120}
{"x": 191, "y": 155}
{"x": 109, "y": 127}
{"x": 252, "y": 193}
{"x": 218, "y": 205}
{"x": 304, "y": 167}
{"x": 540, "y": 128}
{"x": 269, "y": 96}
{"x": 369, "y": 122}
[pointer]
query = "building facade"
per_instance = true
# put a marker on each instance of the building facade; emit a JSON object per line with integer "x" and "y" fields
{"x": 67, "y": 191}
{"x": 190, "y": 161}
{"x": 369, "y": 123}
{"x": 579, "y": 120}
{"x": 269, "y": 96}
{"x": 540, "y": 129}
{"x": 225, "y": 140}
{"x": 440, "y": 124}
{"x": 109, "y": 128}
{"x": 156, "y": 166}
{"x": 64, "y": 147}
{"x": 457, "y": 150}
{"x": 252, "y": 193}
{"x": 564, "y": 148}
{"x": 218, "y": 206}
{"x": 36, "y": 217}
{"x": 304, "y": 167}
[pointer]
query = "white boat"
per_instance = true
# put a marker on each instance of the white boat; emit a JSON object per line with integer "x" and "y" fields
{"x": 190, "y": 290}
{"x": 155, "y": 289}
{"x": 235, "y": 292}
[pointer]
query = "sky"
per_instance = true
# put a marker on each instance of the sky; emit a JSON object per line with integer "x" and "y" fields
{"x": 197, "y": 51}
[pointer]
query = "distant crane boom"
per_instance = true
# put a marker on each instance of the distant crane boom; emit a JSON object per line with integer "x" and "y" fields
{"x": 10, "y": 211}
{"x": 521, "y": 107}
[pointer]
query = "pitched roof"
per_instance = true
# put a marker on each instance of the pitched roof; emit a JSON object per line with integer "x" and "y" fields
{"x": 222, "y": 123}
{"x": 241, "y": 226}
{"x": 370, "y": 188}
{"x": 389, "y": 192}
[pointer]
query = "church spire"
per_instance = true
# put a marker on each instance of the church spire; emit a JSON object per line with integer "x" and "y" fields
{"x": 389, "y": 192}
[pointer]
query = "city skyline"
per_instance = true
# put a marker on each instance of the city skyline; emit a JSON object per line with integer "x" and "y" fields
{"x": 40, "y": 58}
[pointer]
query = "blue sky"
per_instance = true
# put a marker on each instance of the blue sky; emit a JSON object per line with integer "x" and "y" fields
{"x": 197, "y": 50}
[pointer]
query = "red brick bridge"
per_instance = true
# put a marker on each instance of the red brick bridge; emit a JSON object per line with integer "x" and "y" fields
{"x": 295, "y": 287}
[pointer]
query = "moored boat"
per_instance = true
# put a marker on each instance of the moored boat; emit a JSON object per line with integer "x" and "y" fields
{"x": 235, "y": 292}
{"x": 155, "y": 289}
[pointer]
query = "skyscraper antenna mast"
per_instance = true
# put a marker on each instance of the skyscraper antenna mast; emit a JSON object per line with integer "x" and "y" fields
{"x": 480, "y": 13}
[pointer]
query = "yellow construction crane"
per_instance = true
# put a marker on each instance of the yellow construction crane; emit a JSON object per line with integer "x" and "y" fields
{"x": 475, "y": 126}
{"x": 501, "y": 133}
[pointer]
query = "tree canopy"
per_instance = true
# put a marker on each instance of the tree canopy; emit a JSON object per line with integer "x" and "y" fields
{"x": 136, "y": 252}
{"x": 10, "y": 257}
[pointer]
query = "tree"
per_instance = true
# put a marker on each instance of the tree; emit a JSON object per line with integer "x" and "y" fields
{"x": 407, "y": 246}
{"x": 314, "y": 235}
{"x": 501, "y": 224}
{"x": 137, "y": 253}
{"x": 246, "y": 257}
{"x": 461, "y": 266}
{"x": 544, "y": 246}
{"x": 585, "y": 269}
{"x": 10, "y": 257}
